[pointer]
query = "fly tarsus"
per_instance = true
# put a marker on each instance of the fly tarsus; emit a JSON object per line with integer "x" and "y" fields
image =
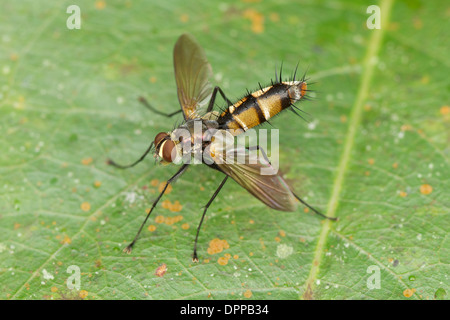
{"x": 314, "y": 210}
{"x": 114, "y": 164}
{"x": 129, "y": 248}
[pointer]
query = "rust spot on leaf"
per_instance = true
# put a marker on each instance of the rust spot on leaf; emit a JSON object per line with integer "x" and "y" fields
{"x": 426, "y": 189}
{"x": 161, "y": 270}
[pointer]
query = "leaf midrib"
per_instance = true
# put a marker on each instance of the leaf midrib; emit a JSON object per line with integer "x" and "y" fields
{"x": 368, "y": 66}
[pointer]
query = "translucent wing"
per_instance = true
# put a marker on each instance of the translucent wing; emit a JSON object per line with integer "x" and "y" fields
{"x": 257, "y": 176}
{"x": 192, "y": 74}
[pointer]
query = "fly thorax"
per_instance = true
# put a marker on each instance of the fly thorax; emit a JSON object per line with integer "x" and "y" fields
{"x": 192, "y": 137}
{"x": 221, "y": 143}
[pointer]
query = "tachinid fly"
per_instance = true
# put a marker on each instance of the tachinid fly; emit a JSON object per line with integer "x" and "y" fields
{"x": 204, "y": 133}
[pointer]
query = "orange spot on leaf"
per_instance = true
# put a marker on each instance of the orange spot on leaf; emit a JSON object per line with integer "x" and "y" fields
{"x": 184, "y": 18}
{"x": 85, "y": 206}
{"x": 66, "y": 240}
{"x": 409, "y": 292}
{"x": 216, "y": 245}
{"x": 100, "y": 4}
{"x": 83, "y": 294}
{"x": 222, "y": 261}
{"x": 161, "y": 270}
{"x": 426, "y": 189}
{"x": 161, "y": 188}
{"x": 256, "y": 18}
{"x": 86, "y": 161}
{"x": 445, "y": 110}
{"x": 185, "y": 226}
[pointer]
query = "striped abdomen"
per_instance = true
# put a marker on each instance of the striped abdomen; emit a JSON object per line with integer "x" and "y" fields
{"x": 259, "y": 106}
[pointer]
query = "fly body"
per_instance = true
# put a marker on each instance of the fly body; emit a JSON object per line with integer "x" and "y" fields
{"x": 207, "y": 136}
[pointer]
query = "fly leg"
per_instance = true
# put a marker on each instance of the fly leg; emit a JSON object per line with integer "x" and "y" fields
{"x": 298, "y": 198}
{"x": 112, "y": 163}
{"x": 258, "y": 148}
{"x": 175, "y": 176}
{"x": 150, "y": 107}
{"x": 314, "y": 210}
{"x": 194, "y": 256}
{"x": 213, "y": 98}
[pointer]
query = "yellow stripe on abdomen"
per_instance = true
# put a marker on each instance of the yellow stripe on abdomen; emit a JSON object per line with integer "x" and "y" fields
{"x": 269, "y": 105}
{"x": 248, "y": 118}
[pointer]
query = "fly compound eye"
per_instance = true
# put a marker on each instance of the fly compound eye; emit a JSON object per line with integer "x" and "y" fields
{"x": 159, "y": 137}
{"x": 168, "y": 148}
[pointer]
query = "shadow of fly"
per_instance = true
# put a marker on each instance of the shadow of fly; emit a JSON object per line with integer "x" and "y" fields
{"x": 207, "y": 136}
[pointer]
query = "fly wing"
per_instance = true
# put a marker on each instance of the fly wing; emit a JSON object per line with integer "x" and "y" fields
{"x": 246, "y": 169}
{"x": 192, "y": 74}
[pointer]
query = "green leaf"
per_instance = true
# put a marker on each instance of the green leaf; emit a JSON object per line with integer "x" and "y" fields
{"x": 375, "y": 153}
